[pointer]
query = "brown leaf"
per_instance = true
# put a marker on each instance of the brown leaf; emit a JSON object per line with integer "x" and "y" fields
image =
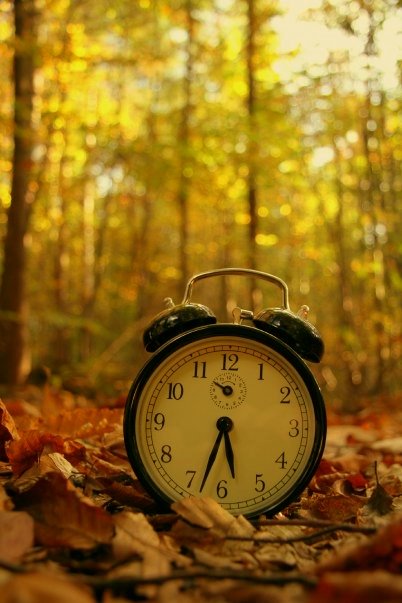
{"x": 85, "y": 422}
{"x": 63, "y": 516}
{"x": 334, "y": 507}
{"x": 43, "y": 588}
{"x": 358, "y": 587}
{"x": 23, "y": 453}
{"x": 8, "y": 430}
{"x": 382, "y": 551}
{"x": 16, "y": 535}
{"x": 207, "y": 522}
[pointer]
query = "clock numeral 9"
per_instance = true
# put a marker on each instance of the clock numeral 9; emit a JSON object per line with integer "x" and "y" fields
{"x": 159, "y": 420}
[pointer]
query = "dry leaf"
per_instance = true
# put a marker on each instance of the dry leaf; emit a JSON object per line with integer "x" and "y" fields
{"x": 358, "y": 587}
{"x": 23, "y": 453}
{"x": 86, "y": 422}
{"x": 63, "y": 516}
{"x": 8, "y": 430}
{"x": 381, "y": 551}
{"x": 43, "y": 588}
{"x": 16, "y": 535}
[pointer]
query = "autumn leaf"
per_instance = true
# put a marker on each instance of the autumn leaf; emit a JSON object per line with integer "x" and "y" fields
{"x": 85, "y": 422}
{"x": 358, "y": 587}
{"x": 16, "y": 535}
{"x": 63, "y": 516}
{"x": 382, "y": 551}
{"x": 8, "y": 430}
{"x": 23, "y": 453}
{"x": 41, "y": 587}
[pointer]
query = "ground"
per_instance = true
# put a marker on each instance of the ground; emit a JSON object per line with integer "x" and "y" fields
{"x": 75, "y": 525}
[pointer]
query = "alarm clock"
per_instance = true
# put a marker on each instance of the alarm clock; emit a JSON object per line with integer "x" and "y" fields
{"x": 227, "y": 410}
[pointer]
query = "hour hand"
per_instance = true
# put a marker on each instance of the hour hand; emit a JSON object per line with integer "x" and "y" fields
{"x": 229, "y": 453}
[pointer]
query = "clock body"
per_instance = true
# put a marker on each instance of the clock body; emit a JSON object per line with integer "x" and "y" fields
{"x": 226, "y": 411}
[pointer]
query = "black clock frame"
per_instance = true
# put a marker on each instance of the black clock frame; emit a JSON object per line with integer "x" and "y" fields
{"x": 224, "y": 330}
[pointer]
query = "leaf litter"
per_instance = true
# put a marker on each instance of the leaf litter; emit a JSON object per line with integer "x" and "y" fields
{"x": 76, "y": 525}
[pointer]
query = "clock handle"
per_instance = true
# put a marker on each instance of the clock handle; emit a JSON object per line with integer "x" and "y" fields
{"x": 239, "y": 272}
{"x": 293, "y": 329}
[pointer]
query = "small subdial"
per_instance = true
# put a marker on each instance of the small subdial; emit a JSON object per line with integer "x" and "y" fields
{"x": 228, "y": 390}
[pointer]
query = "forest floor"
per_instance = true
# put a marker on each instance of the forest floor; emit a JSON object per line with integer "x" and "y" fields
{"x": 75, "y": 526}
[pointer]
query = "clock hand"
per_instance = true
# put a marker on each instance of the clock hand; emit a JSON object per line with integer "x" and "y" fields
{"x": 229, "y": 453}
{"x": 211, "y": 459}
{"x": 226, "y": 389}
{"x": 224, "y": 425}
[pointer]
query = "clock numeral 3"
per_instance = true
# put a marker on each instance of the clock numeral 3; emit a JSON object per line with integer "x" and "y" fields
{"x": 294, "y": 428}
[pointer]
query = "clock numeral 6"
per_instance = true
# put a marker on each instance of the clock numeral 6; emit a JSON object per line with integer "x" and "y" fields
{"x": 221, "y": 490}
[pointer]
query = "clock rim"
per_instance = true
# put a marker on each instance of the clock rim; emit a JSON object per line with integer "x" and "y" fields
{"x": 229, "y": 330}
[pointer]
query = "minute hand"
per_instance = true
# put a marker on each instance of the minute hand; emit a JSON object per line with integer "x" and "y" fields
{"x": 211, "y": 459}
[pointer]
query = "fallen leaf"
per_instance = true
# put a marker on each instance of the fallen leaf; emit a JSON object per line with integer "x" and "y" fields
{"x": 42, "y": 587}
{"x": 23, "y": 453}
{"x": 8, "y": 430}
{"x": 85, "y": 422}
{"x": 382, "y": 551}
{"x": 63, "y": 516}
{"x": 16, "y": 535}
{"x": 358, "y": 587}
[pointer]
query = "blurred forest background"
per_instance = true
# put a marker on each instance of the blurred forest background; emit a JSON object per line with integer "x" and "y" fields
{"x": 144, "y": 141}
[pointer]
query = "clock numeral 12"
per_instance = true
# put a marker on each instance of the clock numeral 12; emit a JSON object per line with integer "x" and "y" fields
{"x": 229, "y": 362}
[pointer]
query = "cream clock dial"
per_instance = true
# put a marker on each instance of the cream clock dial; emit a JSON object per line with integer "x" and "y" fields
{"x": 225, "y": 411}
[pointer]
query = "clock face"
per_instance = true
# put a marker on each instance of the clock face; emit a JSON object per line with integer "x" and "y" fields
{"x": 229, "y": 412}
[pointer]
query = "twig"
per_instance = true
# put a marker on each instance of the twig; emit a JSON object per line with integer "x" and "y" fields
{"x": 133, "y": 582}
{"x": 305, "y": 537}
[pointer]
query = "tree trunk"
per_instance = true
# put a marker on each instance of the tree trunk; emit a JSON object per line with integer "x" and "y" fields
{"x": 13, "y": 310}
{"x": 252, "y": 151}
{"x": 184, "y": 143}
